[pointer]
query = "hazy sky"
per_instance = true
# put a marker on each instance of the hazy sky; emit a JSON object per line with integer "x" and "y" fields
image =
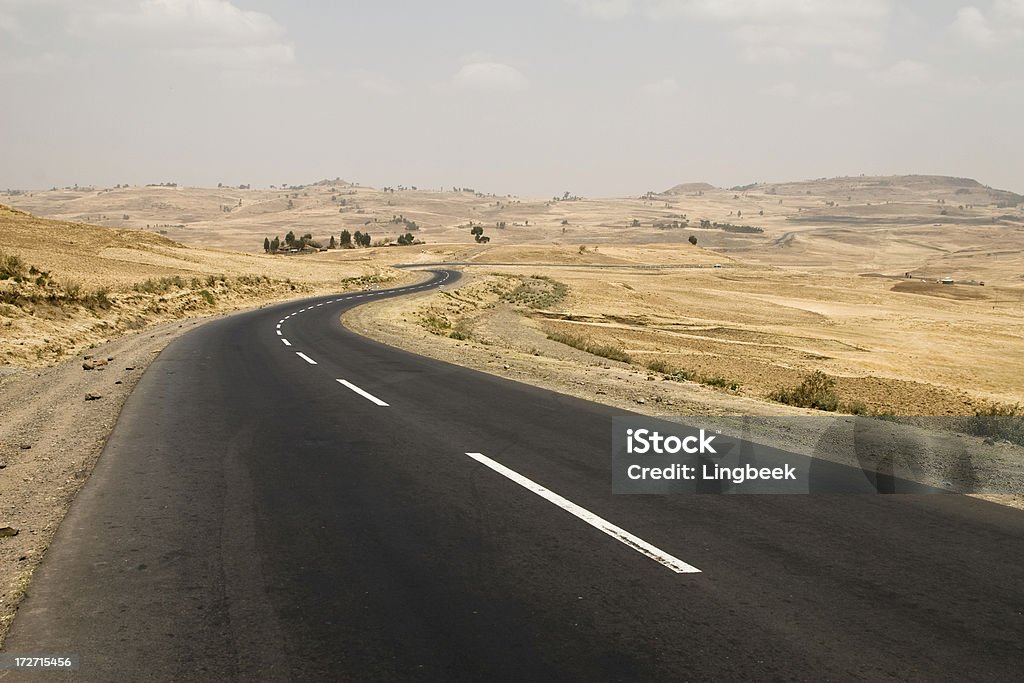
{"x": 597, "y": 97}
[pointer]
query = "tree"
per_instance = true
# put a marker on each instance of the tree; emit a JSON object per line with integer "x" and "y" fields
{"x": 266, "y": 244}
{"x": 693, "y": 240}
{"x": 289, "y": 239}
{"x": 333, "y": 244}
{"x": 275, "y": 244}
{"x": 476, "y": 230}
{"x": 358, "y": 238}
{"x": 346, "y": 239}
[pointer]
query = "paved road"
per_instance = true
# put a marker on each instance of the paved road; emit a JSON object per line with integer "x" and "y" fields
{"x": 252, "y": 518}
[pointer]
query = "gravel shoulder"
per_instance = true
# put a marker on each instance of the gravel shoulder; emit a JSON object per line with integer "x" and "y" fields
{"x": 54, "y": 423}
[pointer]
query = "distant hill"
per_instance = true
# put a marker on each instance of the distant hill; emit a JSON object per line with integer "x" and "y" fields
{"x": 879, "y": 189}
{"x": 690, "y": 188}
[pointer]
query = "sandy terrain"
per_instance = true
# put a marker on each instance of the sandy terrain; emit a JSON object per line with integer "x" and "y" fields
{"x": 893, "y": 346}
{"x": 935, "y": 226}
{"x": 145, "y": 279}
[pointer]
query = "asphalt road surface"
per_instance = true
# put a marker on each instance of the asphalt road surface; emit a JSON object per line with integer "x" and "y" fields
{"x": 260, "y": 514}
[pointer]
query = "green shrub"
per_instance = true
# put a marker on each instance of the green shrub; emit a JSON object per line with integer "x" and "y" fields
{"x": 854, "y": 408}
{"x": 99, "y": 299}
{"x": 816, "y": 391}
{"x": 161, "y": 285}
{"x": 659, "y": 365}
{"x": 720, "y": 382}
{"x": 11, "y": 267}
{"x": 72, "y": 290}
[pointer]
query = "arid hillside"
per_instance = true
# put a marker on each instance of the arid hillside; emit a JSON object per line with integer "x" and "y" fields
{"x": 746, "y": 290}
{"x": 932, "y": 226}
{"x": 66, "y": 286}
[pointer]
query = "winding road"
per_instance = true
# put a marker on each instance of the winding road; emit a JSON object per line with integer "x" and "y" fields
{"x": 283, "y": 499}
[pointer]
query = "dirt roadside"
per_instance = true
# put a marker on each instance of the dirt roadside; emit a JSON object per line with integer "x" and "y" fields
{"x": 500, "y": 340}
{"x": 54, "y": 423}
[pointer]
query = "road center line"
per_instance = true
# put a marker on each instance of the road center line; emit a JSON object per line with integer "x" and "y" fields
{"x": 619, "y": 534}
{"x": 279, "y": 333}
{"x": 286, "y": 342}
{"x": 365, "y": 394}
{"x": 304, "y": 357}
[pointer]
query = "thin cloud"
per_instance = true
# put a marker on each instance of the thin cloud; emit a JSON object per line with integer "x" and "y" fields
{"x": 604, "y": 9}
{"x": 663, "y": 88}
{"x": 1002, "y": 23}
{"x": 770, "y": 31}
{"x": 490, "y": 77}
{"x": 9, "y": 24}
{"x": 374, "y": 83}
{"x": 907, "y": 72}
{"x": 208, "y": 32}
{"x": 786, "y": 89}
{"x": 37, "y": 64}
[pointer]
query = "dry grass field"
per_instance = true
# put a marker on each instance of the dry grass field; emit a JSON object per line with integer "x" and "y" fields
{"x": 812, "y": 275}
{"x": 66, "y": 286}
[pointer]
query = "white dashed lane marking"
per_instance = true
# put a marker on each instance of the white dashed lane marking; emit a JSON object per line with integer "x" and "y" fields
{"x": 619, "y": 534}
{"x": 365, "y": 394}
{"x": 350, "y": 297}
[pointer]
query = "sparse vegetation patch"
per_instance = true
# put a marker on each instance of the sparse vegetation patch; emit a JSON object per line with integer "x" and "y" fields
{"x": 817, "y": 391}
{"x": 583, "y": 344}
{"x": 537, "y": 291}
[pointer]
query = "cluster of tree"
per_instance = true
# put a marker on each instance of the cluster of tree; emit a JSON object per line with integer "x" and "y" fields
{"x": 673, "y": 224}
{"x": 154, "y": 185}
{"x": 477, "y": 231}
{"x": 346, "y": 240}
{"x": 359, "y": 239}
{"x": 409, "y": 224}
{"x": 272, "y": 246}
{"x": 566, "y": 197}
{"x": 729, "y": 227}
